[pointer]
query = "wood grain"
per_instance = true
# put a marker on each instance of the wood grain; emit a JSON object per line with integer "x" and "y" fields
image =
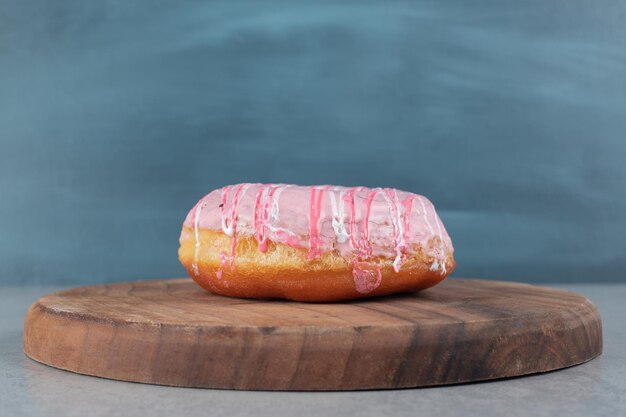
{"x": 172, "y": 332}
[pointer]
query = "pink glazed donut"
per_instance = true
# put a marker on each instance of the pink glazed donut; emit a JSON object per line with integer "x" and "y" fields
{"x": 314, "y": 243}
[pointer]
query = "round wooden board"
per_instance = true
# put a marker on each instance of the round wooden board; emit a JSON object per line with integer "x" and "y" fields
{"x": 172, "y": 332}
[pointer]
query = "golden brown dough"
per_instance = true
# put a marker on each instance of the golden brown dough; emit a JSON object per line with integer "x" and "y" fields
{"x": 286, "y": 272}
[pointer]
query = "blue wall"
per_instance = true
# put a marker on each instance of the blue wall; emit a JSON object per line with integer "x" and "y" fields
{"x": 117, "y": 116}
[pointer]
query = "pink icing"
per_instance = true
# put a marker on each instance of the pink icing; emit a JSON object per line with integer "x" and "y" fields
{"x": 379, "y": 222}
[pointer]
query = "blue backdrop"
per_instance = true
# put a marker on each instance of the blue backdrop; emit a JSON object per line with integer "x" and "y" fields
{"x": 117, "y": 116}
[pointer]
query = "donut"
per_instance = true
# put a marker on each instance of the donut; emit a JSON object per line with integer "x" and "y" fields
{"x": 314, "y": 243}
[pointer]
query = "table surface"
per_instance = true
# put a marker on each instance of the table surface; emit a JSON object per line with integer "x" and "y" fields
{"x": 596, "y": 388}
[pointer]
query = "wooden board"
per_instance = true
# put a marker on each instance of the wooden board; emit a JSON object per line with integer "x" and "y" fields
{"x": 172, "y": 332}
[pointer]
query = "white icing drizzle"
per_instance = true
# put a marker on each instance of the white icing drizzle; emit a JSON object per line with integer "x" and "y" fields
{"x": 265, "y": 202}
{"x": 430, "y": 228}
{"x": 275, "y": 212}
{"x": 338, "y": 215}
{"x": 401, "y": 241}
{"x": 442, "y": 248}
{"x": 398, "y": 227}
{"x": 435, "y": 264}
{"x": 275, "y": 208}
{"x": 194, "y": 264}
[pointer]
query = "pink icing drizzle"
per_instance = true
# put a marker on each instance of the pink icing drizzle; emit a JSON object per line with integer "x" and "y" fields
{"x": 366, "y": 279}
{"x": 360, "y": 241}
{"x": 260, "y": 214}
{"x": 366, "y": 221}
{"x": 233, "y": 220}
{"x": 406, "y": 216}
{"x": 352, "y": 225}
{"x": 315, "y": 214}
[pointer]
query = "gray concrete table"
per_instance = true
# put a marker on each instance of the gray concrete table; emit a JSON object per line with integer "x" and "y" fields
{"x": 597, "y": 388}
